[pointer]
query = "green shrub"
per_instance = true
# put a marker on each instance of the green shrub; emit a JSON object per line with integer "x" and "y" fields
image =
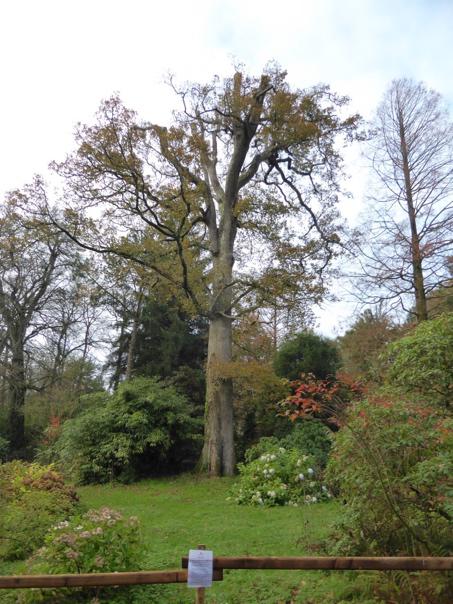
{"x": 392, "y": 465}
{"x": 142, "y": 429}
{"x": 267, "y": 444}
{"x": 278, "y": 476}
{"x": 422, "y": 362}
{"x": 4, "y": 449}
{"x": 312, "y": 438}
{"x": 32, "y": 498}
{"x": 98, "y": 541}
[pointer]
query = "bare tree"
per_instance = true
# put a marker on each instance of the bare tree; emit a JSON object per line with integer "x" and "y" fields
{"x": 409, "y": 235}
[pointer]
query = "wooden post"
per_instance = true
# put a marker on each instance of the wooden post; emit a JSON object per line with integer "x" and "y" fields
{"x": 200, "y": 591}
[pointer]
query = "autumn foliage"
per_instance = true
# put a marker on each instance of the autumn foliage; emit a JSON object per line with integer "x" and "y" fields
{"x": 320, "y": 399}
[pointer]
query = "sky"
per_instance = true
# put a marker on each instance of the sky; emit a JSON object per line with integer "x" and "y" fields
{"x": 60, "y": 58}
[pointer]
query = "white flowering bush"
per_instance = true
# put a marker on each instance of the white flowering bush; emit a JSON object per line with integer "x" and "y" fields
{"x": 279, "y": 476}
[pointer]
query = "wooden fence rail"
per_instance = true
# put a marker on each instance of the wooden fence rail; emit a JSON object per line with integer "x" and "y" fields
{"x": 330, "y": 563}
{"x": 98, "y": 579}
{"x": 229, "y": 563}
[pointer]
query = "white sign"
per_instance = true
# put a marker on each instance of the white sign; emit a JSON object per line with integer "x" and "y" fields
{"x": 200, "y": 568}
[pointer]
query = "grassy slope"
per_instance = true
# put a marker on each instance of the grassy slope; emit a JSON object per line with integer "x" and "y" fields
{"x": 178, "y": 514}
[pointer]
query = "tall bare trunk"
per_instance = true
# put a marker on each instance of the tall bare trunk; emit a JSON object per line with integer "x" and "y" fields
{"x": 421, "y": 309}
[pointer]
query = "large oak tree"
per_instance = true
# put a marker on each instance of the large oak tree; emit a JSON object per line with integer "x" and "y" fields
{"x": 233, "y": 205}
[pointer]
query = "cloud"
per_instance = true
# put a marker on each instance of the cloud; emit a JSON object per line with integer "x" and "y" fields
{"x": 59, "y": 59}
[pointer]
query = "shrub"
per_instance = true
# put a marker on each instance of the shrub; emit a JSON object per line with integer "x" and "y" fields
{"x": 278, "y": 476}
{"x": 309, "y": 437}
{"x": 32, "y": 498}
{"x": 312, "y": 438}
{"x": 422, "y": 362}
{"x": 392, "y": 463}
{"x": 398, "y": 456}
{"x": 4, "y": 448}
{"x": 325, "y": 400}
{"x": 98, "y": 541}
{"x": 143, "y": 428}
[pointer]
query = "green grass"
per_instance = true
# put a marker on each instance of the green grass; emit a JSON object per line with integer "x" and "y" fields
{"x": 177, "y": 514}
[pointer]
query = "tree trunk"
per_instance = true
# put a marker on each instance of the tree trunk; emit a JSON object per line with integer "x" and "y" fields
{"x": 133, "y": 339}
{"x": 218, "y": 452}
{"x": 17, "y": 391}
{"x": 119, "y": 360}
{"x": 421, "y": 309}
{"x": 218, "y": 457}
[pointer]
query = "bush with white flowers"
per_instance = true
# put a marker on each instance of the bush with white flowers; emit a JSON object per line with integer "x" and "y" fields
{"x": 279, "y": 476}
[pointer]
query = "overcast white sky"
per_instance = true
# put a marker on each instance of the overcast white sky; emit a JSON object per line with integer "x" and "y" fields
{"x": 59, "y": 58}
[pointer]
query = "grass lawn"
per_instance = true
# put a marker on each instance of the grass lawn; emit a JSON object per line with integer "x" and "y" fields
{"x": 177, "y": 514}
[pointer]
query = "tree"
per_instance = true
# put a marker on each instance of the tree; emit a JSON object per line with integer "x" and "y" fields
{"x": 123, "y": 289}
{"x": 364, "y": 341}
{"x": 76, "y": 321}
{"x": 167, "y": 339}
{"x": 31, "y": 268}
{"x": 248, "y": 170}
{"x": 168, "y": 345}
{"x": 307, "y": 353}
{"x": 440, "y": 300}
{"x": 404, "y": 255}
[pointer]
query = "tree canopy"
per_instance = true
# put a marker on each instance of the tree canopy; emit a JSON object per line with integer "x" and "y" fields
{"x": 233, "y": 204}
{"x": 307, "y": 353}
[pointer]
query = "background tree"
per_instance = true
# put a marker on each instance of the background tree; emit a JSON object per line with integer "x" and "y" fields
{"x": 362, "y": 343}
{"x": 32, "y": 267}
{"x": 307, "y": 353}
{"x": 257, "y": 388}
{"x": 211, "y": 192}
{"x": 124, "y": 289}
{"x": 50, "y": 321}
{"x": 440, "y": 300}
{"x": 168, "y": 339}
{"x": 403, "y": 257}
